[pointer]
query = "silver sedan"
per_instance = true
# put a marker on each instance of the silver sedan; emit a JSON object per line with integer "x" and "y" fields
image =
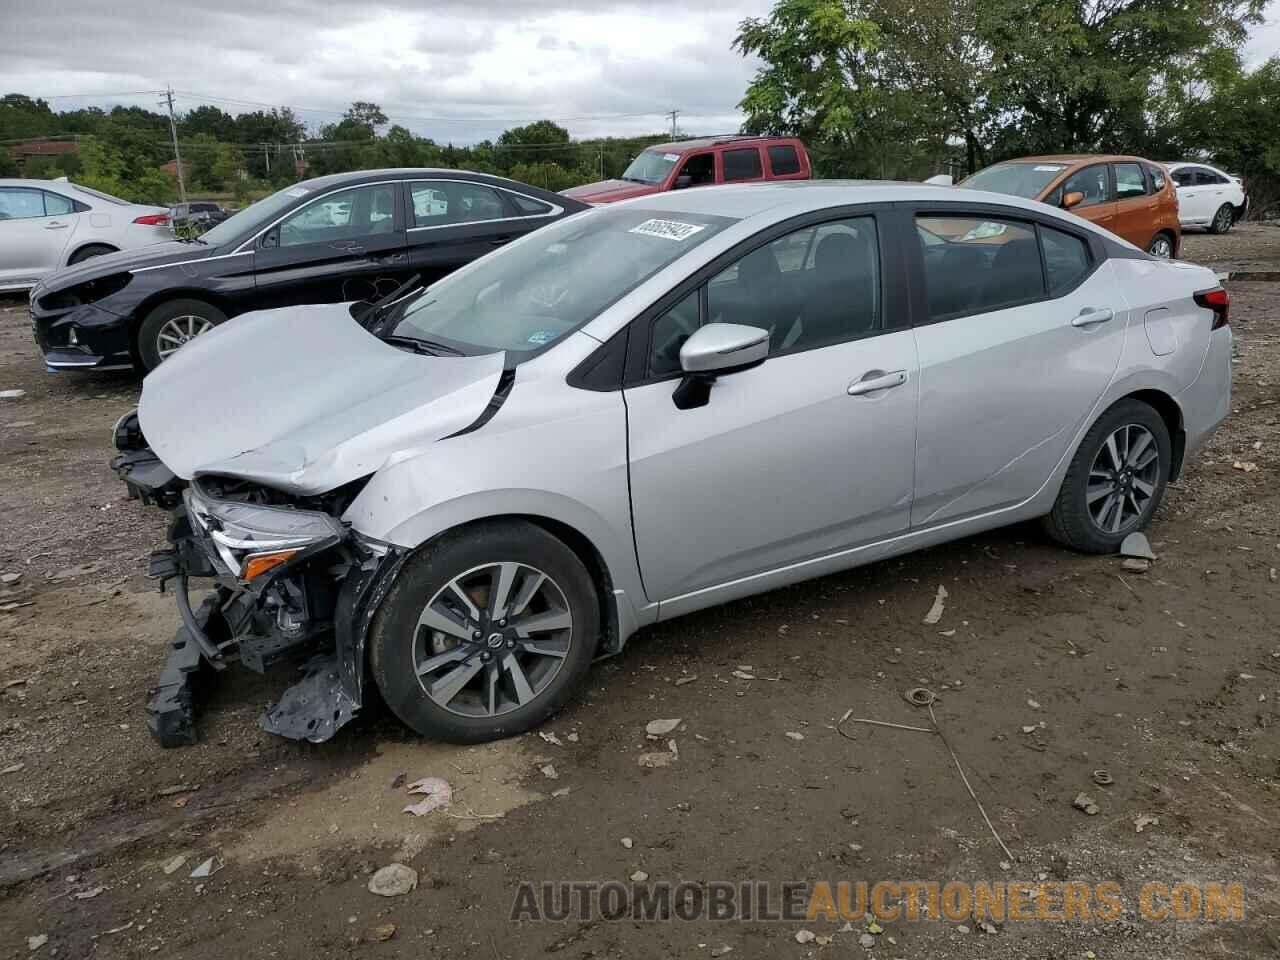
{"x": 657, "y": 406}
{"x": 47, "y": 224}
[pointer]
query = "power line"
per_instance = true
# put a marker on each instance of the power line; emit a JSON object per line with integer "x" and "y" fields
{"x": 481, "y": 118}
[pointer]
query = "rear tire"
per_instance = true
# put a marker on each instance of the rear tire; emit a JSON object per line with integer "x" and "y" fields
{"x": 172, "y": 324}
{"x": 1161, "y": 246}
{"x": 1223, "y": 220}
{"x": 1113, "y": 461}
{"x": 91, "y": 251}
{"x": 503, "y": 664}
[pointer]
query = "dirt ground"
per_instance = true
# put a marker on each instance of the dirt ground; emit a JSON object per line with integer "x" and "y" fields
{"x": 1048, "y": 666}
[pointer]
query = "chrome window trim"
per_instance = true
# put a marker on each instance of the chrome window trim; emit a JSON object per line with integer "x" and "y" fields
{"x": 555, "y": 210}
{"x": 318, "y": 197}
{"x": 183, "y": 263}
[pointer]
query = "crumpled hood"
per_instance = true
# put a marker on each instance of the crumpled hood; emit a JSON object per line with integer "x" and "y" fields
{"x": 159, "y": 254}
{"x": 303, "y": 399}
{"x": 608, "y": 191}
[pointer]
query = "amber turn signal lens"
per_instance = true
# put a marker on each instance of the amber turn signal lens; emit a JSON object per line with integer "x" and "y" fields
{"x": 260, "y": 564}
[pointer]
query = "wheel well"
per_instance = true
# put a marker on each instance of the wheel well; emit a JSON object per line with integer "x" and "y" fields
{"x": 594, "y": 562}
{"x": 94, "y": 243}
{"x": 1171, "y": 414}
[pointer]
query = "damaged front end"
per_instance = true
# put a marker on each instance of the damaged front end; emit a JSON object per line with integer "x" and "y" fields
{"x": 287, "y": 575}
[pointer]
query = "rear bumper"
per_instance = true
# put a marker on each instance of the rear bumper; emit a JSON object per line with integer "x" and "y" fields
{"x": 1206, "y": 403}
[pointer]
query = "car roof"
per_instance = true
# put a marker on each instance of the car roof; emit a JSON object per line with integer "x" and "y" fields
{"x": 34, "y": 184}
{"x": 1078, "y": 158}
{"x": 407, "y": 173}
{"x": 702, "y": 143}
{"x": 1195, "y": 163}
{"x": 742, "y": 201}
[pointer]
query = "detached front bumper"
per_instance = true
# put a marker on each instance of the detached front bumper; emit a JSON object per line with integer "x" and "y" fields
{"x": 286, "y": 579}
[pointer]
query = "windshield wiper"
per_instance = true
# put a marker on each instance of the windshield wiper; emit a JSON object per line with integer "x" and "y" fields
{"x": 379, "y": 310}
{"x": 432, "y": 348}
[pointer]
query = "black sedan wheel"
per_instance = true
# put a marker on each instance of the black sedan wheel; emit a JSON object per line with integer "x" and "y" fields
{"x": 486, "y": 632}
{"x": 171, "y": 325}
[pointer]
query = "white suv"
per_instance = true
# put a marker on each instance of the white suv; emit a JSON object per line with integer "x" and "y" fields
{"x": 1207, "y": 197}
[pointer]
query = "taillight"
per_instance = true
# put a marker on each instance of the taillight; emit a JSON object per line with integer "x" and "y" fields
{"x": 1219, "y": 301}
{"x": 153, "y": 220}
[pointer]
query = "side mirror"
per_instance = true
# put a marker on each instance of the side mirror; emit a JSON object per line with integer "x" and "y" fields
{"x": 715, "y": 350}
{"x": 682, "y": 181}
{"x": 1072, "y": 199}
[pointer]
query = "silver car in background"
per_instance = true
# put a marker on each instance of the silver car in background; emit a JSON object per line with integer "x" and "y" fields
{"x": 47, "y": 224}
{"x": 653, "y": 407}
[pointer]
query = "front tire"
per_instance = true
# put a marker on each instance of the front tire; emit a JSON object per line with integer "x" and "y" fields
{"x": 1116, "y": 480}
{"x": 172, "y": 324}
{"x": 1223, "y": 220}
{"x": 486, "y": 632}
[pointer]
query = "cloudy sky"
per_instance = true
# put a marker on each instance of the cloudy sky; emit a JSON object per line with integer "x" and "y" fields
{"x": 459, "y": 70}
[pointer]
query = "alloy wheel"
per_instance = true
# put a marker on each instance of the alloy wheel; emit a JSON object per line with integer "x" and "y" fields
{"x": 178, "y": 330}
{"x": 492, "y": 639}
{"x": 1222, "y": 222}
{"x": 1161, "y": 247}
{"x": 1123, "y": 479}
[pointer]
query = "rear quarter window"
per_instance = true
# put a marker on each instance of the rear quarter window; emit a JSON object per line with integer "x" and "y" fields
{"x": 784, "y": 160}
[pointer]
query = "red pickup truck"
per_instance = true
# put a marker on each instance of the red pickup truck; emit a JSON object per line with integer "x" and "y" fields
{"x": 695, "y": 163}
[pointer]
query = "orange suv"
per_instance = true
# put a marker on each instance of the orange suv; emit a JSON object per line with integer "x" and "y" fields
{"x": 1132, "y": 197}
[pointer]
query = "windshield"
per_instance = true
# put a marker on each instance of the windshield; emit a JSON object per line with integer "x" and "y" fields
{"x": 651, "y": 167}
{"x": 1019, "y": 179}
{"x": 88, "y": 192}
{"x": 253, "y": 217}
{"x": 529, "y": 295}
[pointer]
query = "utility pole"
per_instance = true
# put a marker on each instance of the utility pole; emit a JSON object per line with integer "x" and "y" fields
{"x": 673, "y": 114}
{"x": 177, "y": 155}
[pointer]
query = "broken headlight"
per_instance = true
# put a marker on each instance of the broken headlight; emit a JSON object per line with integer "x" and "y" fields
{"x": 252, "y": 539}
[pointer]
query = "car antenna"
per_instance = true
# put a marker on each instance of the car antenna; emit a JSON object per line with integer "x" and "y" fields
{"x": 376, "y": 309}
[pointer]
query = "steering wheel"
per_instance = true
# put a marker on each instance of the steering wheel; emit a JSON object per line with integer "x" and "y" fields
{"x": 546, "y": 295}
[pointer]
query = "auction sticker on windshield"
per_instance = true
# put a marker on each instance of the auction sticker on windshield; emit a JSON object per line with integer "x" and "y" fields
{"x": 673, "y": 157}
{"x": 668, "y": 229}
{"x": 1045, "y": 168}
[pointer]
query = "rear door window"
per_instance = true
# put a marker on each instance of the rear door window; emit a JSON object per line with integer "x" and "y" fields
{"x": 1066, "y": 259}
{"x": 783, "y": 160}
{"x": 978, "y": 264}
{"x": 1184, "y": 176}
{"x": 438, "y": 203}
{"x": 742, "y": 164}
{"x": 1130, "y": 182}
{"x": 56, "y": 205}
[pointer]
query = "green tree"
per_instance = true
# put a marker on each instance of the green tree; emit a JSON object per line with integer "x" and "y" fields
{"x": 1084, "y": 75}
{"x": 542, "y": 141}
{"x": 228, "y": 166}
{"x": 824, "y": 79}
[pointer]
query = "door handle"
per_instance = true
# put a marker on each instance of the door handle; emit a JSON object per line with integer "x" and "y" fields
{"x": 55, "y": 226}
{"x": 347, "y": 246}
{"x": 499, "y": 241}
{"x": 392, "y": 258}
{"x": 877, "y": 380}
{"x": 1087, "y": 317}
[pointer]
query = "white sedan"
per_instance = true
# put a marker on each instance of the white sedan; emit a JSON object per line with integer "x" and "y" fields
{"x": 47, "y": 224}
{"x": 1207, "y": 197}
